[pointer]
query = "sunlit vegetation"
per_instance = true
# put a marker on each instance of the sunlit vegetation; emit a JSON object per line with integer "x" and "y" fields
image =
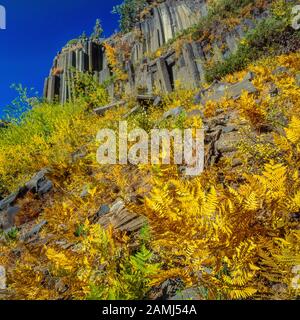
{"x": 231, "y": 233}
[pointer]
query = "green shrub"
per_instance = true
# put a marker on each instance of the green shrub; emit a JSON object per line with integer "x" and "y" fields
{"x": 258, "y": 42}
{"x": 88, "y": 90}
{"x": 46, "y": 135}
{"x": 128, "y": 12}
{"x": 72, "y": 42}
{"x": 133, "y": 280}
{"x": 12, "y": 234}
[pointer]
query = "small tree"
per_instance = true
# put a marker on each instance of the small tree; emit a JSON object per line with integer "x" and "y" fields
{"x": 83, "y": 36}
{"x": 128, "y": 12}
{"x": 98, "y": 30}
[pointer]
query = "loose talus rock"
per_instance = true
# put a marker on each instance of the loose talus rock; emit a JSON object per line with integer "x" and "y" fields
{"x": 101, "y": 110}
{"x": 2, "y": 278}
{"x": 34, "y": 231}
{"x": 119, "y": 217}
{"x": 39, "y": 185}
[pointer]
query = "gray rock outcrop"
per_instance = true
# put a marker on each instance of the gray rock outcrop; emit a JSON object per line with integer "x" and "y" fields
{"x": 226, "y": 90}
{"x": 154, "y": 31}
{"x": 9, "y": 209}
{"x": 119, "y": 217}
{"x": 2, "y": 278}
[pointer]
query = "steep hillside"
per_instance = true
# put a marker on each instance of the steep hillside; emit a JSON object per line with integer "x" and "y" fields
{"x": 71, "y": 228}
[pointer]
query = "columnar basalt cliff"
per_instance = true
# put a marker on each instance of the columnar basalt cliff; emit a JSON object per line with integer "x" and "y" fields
{"x": 147, "y": 68}
{"x": 84, "y": 56}
{"x": 161, "y": 26}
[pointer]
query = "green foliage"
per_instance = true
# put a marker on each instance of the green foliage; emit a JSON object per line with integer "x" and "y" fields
{"x": 80, "y": 230}
{"x": 98, "y": 30}
{"x": 261, "y": 41}
{"x": 24, "y": 101}
{"x": 218, "y": 12}
{"x": 72, "y": 42}
{"x": 83, "y": 36}
{"x": 12, "y": 234}
{"x": 22, "y": 142}
{"x": 133, "y": 281}
{"x": 87, "y": 89}
{"x": 47, "y": 133}
{"x": 142, "y": 120}
{"x": 224, "y": 8}
{"x": 137, "y": 272}
{"x": 145, "y": 235}
{"x": 96, "y": 35}
{"x": 128, "y": 12}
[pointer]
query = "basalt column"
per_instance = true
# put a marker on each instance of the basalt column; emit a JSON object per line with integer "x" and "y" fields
{"x": 84, "y": 56}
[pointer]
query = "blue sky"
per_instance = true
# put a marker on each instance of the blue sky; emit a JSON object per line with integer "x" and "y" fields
{"x": 37, "y": 30}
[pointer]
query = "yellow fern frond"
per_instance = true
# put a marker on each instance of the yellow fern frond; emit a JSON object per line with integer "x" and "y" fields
{"x": 242, "y": 293}
{"x": 293, "y": 130}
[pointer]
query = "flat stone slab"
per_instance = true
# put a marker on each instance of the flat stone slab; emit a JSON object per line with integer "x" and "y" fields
{"x": 101, "y": 110}
{"x": 121, "y": 219}
{"x": 38, "y": 184}
{"x": 218, "y": 91}
{"x": 157, "y": 101}
{"x": 132, "y": 111}
{"x": 176, "y": 112}
{"x": 280, "y": 70}
{"x": 228, "y": 142}
{"x": 230, "y": 91}
{"x": 6, "y": 202}
{"x": 188, "y": 294}
{"x": 34, "y": 231}
{"x": 145, "y": 97}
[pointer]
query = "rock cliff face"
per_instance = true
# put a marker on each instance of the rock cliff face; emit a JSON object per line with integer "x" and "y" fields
{"x": 83, "y": 56}
{"x": 156, "y": 30}
{"x": 164, "y": 23}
